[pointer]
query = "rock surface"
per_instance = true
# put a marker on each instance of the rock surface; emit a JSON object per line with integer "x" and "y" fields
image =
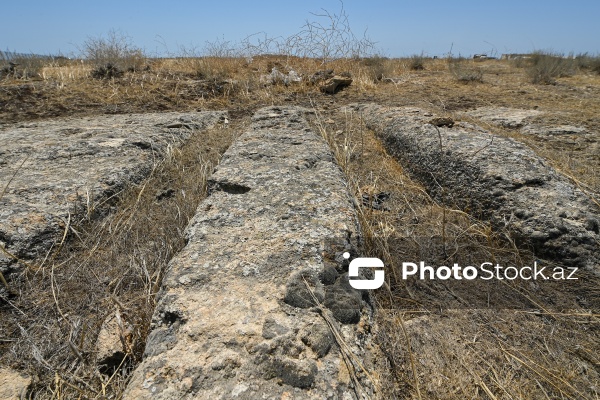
{"x": 113, "y": 343}
{"x": 54, "y": 170}
{"x": 13, "y": 385}
{"x": 494, "y": 178}
{"x": 277, "y": 77}
{"x": 335, "y": 84}
{"x": 512, "y": 118}
{"x": 239, "y": 315}
{"x": 553, "y": 130}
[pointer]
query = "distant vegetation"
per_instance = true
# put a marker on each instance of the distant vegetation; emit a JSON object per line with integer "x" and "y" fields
{"x": 112, "y": 55}
{"x": 464, "y": 70}
{"x": 26, "y": 66}
{"x": 545, "y": 67}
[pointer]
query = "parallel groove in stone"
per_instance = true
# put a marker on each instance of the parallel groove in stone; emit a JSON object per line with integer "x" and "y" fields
{"x": 494, "y": 178}
{"x": 221, "y": 328}
{"x": 72, "y": 162}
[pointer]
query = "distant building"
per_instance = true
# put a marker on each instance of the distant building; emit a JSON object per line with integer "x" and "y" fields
{"x": 482, "y": 57}
{"x": 514, "y": 56}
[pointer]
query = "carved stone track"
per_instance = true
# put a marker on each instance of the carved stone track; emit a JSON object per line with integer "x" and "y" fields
{"x": 236, "y": 317}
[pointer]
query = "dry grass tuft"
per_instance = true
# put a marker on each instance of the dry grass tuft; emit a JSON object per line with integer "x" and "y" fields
{"x": 417, "y": 62}
{"x": 545, "y": 67}
{"x": 464, "y": 70}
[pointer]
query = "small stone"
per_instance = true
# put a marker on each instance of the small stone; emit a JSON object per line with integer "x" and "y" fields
{"x": 563, "y": 214}
{"x": 344, "y": 306}
{"x": 304, "y": 290}
{"x": 329, "y": 275}
{"x": 344, "y": 301}
{"x": 319, "y": 338}
{"x": 335, "y": 84}
{"x": 297, "y": 373}
{"x": 272, "y": 329}
{"x": 320, "y": 76}
{"x": 554, "y": 233}
{"x": 13, "y": 384}
{"x": 538, "y": 236}
{"x": 592, "y": 225}
{"x": 442, "y": 121}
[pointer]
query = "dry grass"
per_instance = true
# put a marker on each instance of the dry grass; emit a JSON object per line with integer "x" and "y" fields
{"x": 115, "y": 264}
{"x": 112, "y": 265}
{"x": 462, "y": 352}
{"x": 545, "y": 67}
{"x": 465, "y": 71}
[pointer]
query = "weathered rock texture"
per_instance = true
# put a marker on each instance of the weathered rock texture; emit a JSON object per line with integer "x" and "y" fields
{"x": 113, "y": 343}
{"x": 51, "y": 170}
{"x": 336, "y": 84}
{"x": 556, "y": 135}
{"x": 235, "y": 317}
{"x": 512, "y": 118}
{"x": 494, "y": 178}
{"x": 13, "y": 385}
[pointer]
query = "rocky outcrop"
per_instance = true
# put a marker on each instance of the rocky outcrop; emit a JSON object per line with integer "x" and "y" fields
{"x": 277, "y": 77}
{"x": 257, "y": 306}
{"x": 56, "y": 172}
{"x": 335, "y": 84}
{"x": 494, "y": 178}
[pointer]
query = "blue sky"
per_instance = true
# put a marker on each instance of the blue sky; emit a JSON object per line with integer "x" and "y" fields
{"x": 399, "y": 27}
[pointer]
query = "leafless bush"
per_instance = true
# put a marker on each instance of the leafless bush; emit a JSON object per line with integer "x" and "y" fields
{"x": 261, "y": 43}
{"x": 520, "y": 62}
{"x": 331, "y": 39}
{"x": 221, "y": 48}
{"x": 377, "y": 67}
{"x": 112, "y": 55}
{"x": 327, "y": 37}
{"x": 587, "y": 62}
{"x": 546, "y": 66}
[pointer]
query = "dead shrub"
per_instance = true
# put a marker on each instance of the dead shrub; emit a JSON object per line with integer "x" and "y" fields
{"x": 520, "y": 62}
{"x": 22, "y": 66}
{"x": 416, "y": 62}
{"x": 376, "y": 67}
{"x": 116, "y": 51}
{"x": 587, "y": 62}
{"x": 107, "y": 71}
{"x": 463, "y": 72}
{"x": 545, "y": 67}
